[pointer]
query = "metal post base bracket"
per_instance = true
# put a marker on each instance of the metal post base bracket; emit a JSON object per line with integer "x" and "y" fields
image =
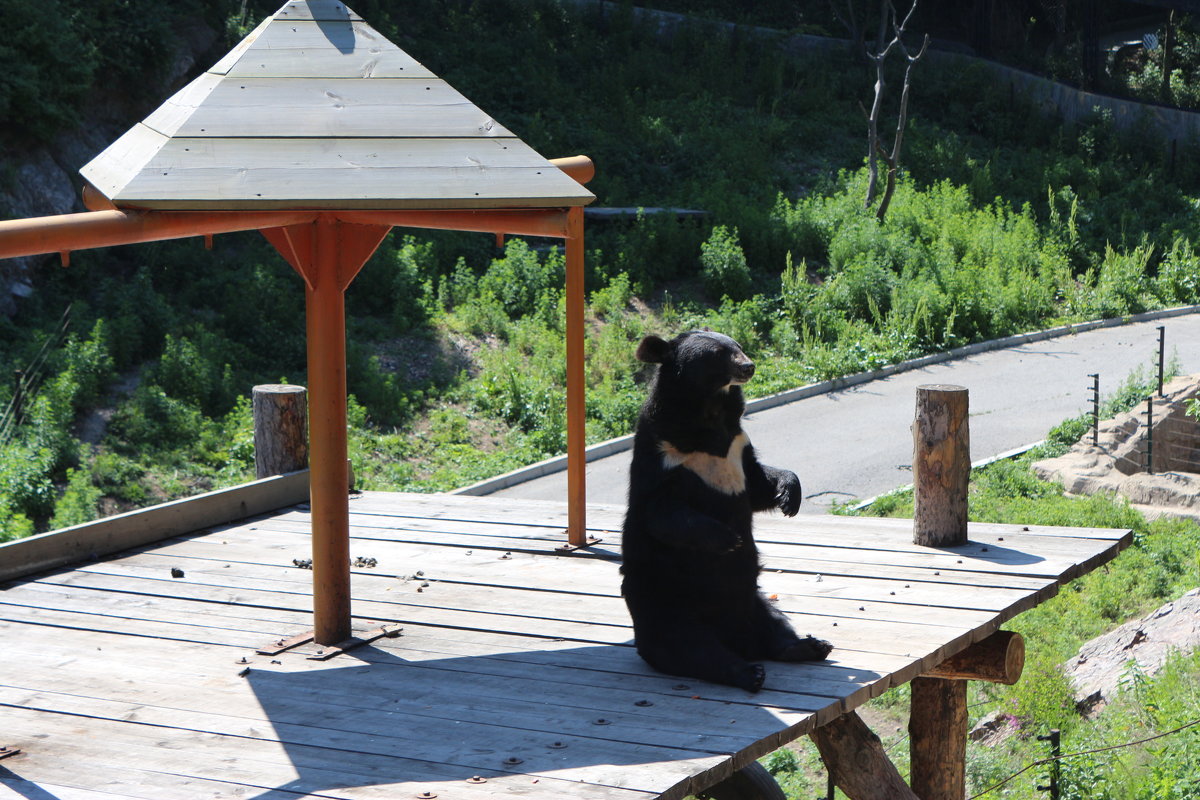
{"x": 328, "y": 652}
{"x": 591, "y": 541}
{"x": 5, "y": 752}
{"x": 283, "y": 645}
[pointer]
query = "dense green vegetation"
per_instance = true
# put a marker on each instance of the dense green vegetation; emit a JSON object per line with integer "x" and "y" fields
{"x": 1004, "y": 221}
{"x": 1163, "y": 563}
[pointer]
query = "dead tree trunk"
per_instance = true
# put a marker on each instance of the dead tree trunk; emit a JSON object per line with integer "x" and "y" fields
{"x": 875, "y": 150}
{"x": 280, "y": 429}
{"x": 941, "y": 466}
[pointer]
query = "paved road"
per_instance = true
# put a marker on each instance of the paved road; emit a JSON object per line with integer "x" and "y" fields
{"x": 856, "y": 442}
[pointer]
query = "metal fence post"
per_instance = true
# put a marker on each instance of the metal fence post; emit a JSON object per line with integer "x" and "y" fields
{"x": 1162, "y": 339}
{"x": 1150, "y": 435}
{"x": 1095, "y": 376}
{"x": 1055, "y": 753}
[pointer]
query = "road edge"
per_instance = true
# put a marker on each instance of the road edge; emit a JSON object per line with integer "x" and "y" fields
{"x": 622, "y": 443}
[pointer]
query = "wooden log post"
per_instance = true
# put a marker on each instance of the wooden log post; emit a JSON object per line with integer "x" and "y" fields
{"x": 937, "y": 725}
{"x": 1000, "y": 658}
{"x": 280, "y": 429}
{"x": 857, "y": 762}
{"x": 941, "y": 466}
{"x": 937, "y": 731}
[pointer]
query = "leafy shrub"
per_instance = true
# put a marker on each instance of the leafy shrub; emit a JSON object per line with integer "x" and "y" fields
{"x": 13, "y": 524}
{"x": 89, "y": 365}
{"x": 194, "y": 373}
{"x": 1178, "y": 278}
{"x": 523, "y": 282}
{"x": 79, "y": 502}
{"x": 411, "y": 286}
{"x": 613, "y": 299}
{"x": 46, "y": 66}
{"x": 26, "y": 486}
{"x": 723, "y": 265}
{"x": 153, "y": 421}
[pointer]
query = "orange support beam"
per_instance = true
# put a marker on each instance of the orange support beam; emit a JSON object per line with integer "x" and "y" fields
{"x": 329, "y": 480}
{"x": 66, "y": 232}
{"x": 328, "y": 254}
{"x": 518, "y": 222}
{"x": 576, "y": 407}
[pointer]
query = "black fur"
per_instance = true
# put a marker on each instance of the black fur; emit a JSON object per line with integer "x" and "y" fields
{"x": 690, "y": 564}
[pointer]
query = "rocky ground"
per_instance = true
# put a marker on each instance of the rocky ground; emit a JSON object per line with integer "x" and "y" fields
{"x": 1117, "y": 462}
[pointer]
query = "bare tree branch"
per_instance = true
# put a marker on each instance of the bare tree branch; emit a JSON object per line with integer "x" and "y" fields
{"x": 875, "y": 150}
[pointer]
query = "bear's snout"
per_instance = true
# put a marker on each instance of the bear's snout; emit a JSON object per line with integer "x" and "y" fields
{"x": 743, "y": 370}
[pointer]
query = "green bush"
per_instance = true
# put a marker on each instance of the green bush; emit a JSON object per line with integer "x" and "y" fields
{"x": 525, "y": 283}
{"x": 194, "y": 373}
{"x": 46, "y": 67}
{"x": 80, "y": 501}
{"x": 723, "y": 265}
{"x": 151, "y": 421}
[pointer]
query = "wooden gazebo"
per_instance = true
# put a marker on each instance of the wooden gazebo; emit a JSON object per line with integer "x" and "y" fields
{"x": 321, "y": 133}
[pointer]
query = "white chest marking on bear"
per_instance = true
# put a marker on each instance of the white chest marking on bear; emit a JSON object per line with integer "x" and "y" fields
{"x": 722, "y": 473}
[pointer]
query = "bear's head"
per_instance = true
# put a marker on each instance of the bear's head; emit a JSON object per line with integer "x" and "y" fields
{"x": 700, "y": 363}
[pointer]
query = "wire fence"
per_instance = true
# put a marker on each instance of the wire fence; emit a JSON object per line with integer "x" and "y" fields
{"x": 1054, "y": 759}
{"x": 29, "y": 380}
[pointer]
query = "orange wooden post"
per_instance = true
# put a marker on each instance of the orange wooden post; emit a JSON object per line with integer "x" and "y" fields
{"x": 576, "y": 408}
{"x": 325, "y": 310}
{"x": 328, "y": 254}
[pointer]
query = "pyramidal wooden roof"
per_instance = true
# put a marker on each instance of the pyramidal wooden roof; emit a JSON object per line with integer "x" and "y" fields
{"x": 316, "y": 109}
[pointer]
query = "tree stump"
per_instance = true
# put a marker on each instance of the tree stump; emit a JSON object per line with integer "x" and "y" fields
{"x": 280, "y": 429}
{"x": 941, "y": 466}
{"x": 937, "y": 729}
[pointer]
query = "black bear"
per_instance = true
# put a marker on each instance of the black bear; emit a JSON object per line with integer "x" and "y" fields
{"x": 690, "y": 565}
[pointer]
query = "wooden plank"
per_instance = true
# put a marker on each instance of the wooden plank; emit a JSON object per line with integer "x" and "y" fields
{"x": 587, "y": 576}
{"x": 847, "y": 678}
{"x": 517, "y": 601}
{"x": 143, "y": 165}
{"x": 346, "y": 186}
{"x": 122, "y": 531}
{"x": 311, "y": 49}
{"x": 609, "y": 517}
{"x": 361, "y": 758}
{"x": 579, "y": 578}
{"x": 898, "y": 538}
{"x": 180, "y": 763}
{"x": 601, "y": 620}
{"x": 567, "y": 605}
{"x": 316, "y": 9}
{"x": 167, "y": 118}
{"x": 347, "y": 699}
{"x": 558, "y": 668}
{"x": 276, "y": 108}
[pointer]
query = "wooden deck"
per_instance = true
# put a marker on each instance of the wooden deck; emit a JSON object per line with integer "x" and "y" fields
{"x": 514, "y": 674}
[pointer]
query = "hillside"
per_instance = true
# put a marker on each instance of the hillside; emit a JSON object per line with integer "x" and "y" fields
{"x": 138, "y": 361}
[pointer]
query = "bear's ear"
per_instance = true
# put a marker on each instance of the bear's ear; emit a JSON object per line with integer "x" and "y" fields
{"x": 653, "y": 350}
